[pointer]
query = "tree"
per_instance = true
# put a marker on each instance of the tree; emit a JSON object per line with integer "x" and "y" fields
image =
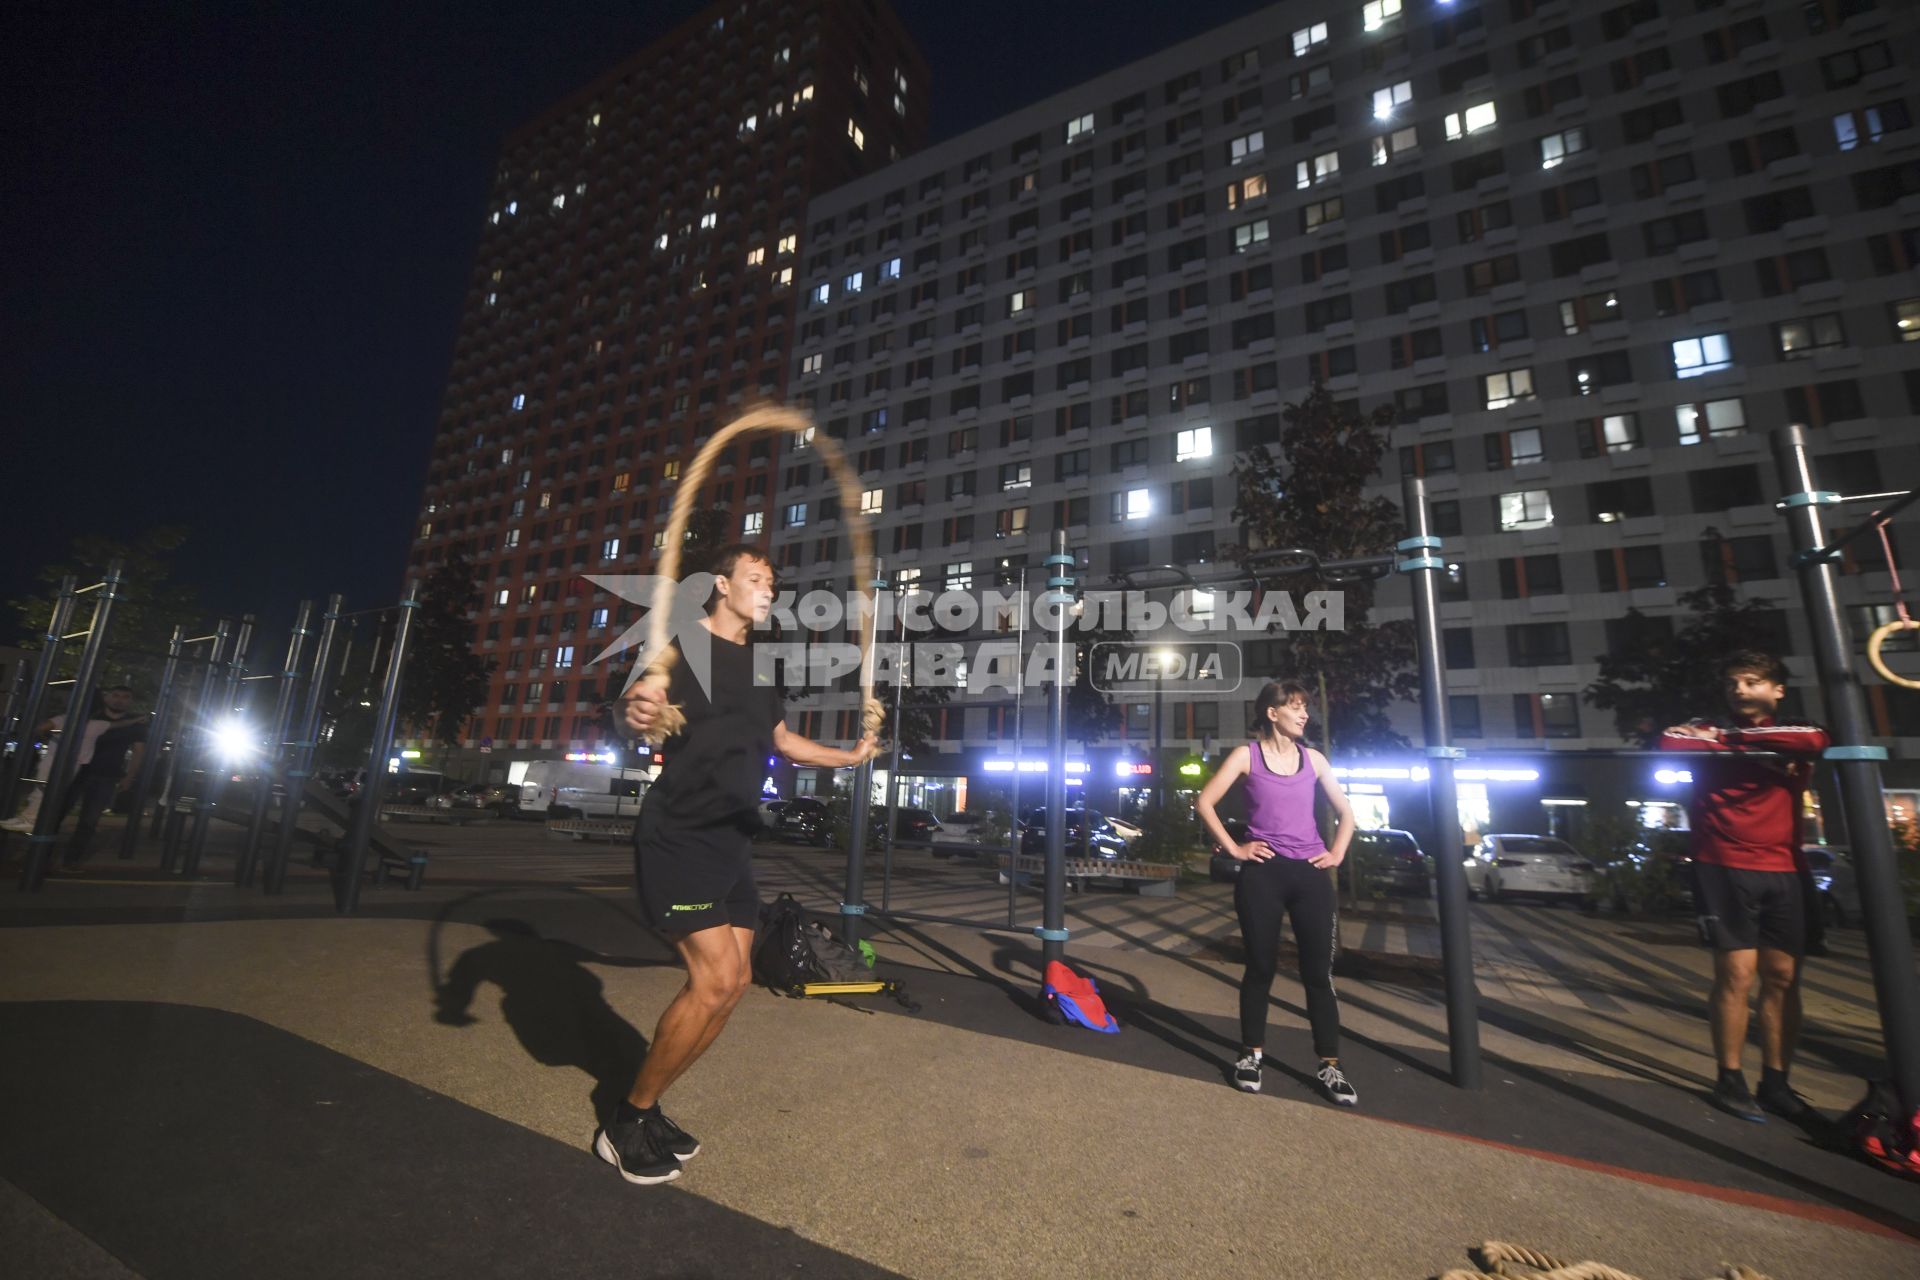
{"x": 444, "y": 679}
{"x": 708, "y": 530}
{"x": 1654, "y": 677}
{"x": 1312, "y": 495}
{"x": 149, "y": 607}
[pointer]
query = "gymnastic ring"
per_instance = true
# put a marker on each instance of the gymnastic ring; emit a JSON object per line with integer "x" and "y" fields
{"x": 1878, "y": 638}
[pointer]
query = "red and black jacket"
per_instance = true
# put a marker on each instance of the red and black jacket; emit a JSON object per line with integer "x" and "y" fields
{"x": 1745, "y": 813}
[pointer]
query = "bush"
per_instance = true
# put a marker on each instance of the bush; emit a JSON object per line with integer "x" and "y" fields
{"x": 1167, "y": 835}
{"x": 1635, "y": 870}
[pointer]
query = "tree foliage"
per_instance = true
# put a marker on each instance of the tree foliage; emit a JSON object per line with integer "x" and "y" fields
{"x": 1312, "y": 494}
{"x": 1653, "y": 678}
{"x": 149, "y": 606}
{"x": 444, "y": 679}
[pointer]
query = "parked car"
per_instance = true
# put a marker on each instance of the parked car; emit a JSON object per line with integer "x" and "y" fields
{"x": 1392, "y": 860}
{"x": 910, "y": 826}
{"x": 964, "y": 835}
{"x": 770, "y": 811}
{"x": 1088, "y": 834}
{"x": 805, "y": 821}
{"x": 1832, "y": 868}
{"x": 481, "y": 795}
{"x": 578, "y": 789}
{"x": 1511, "y": 864}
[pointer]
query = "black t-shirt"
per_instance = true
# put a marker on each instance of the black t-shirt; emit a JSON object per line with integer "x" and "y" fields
{"x": 111, "y": 747}
{"x": 714, "y": 769}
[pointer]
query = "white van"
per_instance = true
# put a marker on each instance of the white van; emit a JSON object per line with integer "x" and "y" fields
{"x": 564, "y": 789}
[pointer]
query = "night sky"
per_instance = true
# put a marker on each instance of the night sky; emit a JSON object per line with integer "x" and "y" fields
{"x": 238, "y": 235}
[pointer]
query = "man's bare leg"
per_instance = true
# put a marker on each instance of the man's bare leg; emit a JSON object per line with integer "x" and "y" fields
{"x": 1733, "y": 973}
{"x": 718, "y": 970}
{"x": 1779, "y": 1008}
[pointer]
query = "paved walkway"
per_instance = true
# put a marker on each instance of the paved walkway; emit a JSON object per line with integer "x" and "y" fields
{"x": 214, "y": 1083}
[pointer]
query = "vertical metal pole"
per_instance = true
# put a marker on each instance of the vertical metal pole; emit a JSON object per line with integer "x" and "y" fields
{"x": 274, "y": 879}
{"x": 1159, "y": 685}
{"x": 854, "y": 904}
{"x": 1422, "y": 561}
{"x": 1053, "y": 916}
{"x": 157, "y": 729}
{"x": 194, "y": 749}
{"x": 1019, "y": 749}
{"x": 66, "y": 756}
{"x": 277, "y": 747}
{"x": 43, "y": 667}
{"x": 351, "y": 866}
{"x": 893, "y": 760}
{"x": 1856, "y": 767}
{"x": 214, "y": 775}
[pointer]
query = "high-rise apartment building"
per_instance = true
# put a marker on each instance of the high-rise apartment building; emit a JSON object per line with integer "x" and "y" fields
{"x": 1592, "y": 254}
{"x": 634, "y": 287}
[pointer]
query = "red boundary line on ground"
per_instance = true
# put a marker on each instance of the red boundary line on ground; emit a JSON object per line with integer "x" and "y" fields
{"x": 1731, "y": 1195}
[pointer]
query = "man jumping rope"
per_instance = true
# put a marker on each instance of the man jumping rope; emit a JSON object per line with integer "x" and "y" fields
{"x": 1749, "y": 891}
{"x": 692, "y": 849}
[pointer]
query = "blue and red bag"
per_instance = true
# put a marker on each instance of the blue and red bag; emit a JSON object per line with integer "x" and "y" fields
{"x": 1072, "y": 998}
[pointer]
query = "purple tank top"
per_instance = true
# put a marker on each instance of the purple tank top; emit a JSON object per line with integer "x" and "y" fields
{"x": 1280, "y": 806}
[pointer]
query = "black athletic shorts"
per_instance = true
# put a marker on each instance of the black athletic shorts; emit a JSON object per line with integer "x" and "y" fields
{"x": 1744, "y": 910}
{"x": 692, "y": 878}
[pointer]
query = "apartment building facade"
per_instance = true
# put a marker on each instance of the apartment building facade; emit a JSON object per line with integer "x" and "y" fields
{"x": 1590, "y": 254}
{"x": 634, "y": 287}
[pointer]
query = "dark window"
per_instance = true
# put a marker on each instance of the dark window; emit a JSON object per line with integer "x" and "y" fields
{"x": 1629, "y": 568}
{"x": 1538, "y": 644}
{"x": 1523, "y": 576}
{"x": 1718, "y": 488}
{"x": 1457, "y": 644}
{"x": 1624, "y": 499}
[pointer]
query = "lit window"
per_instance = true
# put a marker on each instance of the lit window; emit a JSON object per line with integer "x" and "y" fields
{"x": 1080, "y": 127}
{"x": 1200, "y": 603}
{"x": 1385, "y": 100}
{"x": 821, "y": 295}
{"x": 1315, "y": 216}
{"x": 1711, "y": 420}
{"x": 872, "y": 502}
{"x": 1322, "y": 168}
{"x": 519, "y": 401}
{"x": 610, "y": 549}
{"x": 803, "y": 94}
{"x": 1556, "y": 147}
{"x": 1248, "y": 190}
{"x": 1307, "y": 37}
{"x": 804, "y": 441}
{"x": 810, "y": 364}
{"x": 1706, "y": 354}
{"x": 1526, "y": 509}
{"x": 854, "y": 283}
{"x": 858, "y": 135}
{"x": 493, "y": 299}
{"x": 1399, "y": 142}
{"x": 783, "y": 277}
{"x": 1480, "y": 116}
{"x": 783, "y": 57}
{"x": 753, "y": 523}
{"x": 1906, "y": 319}
{"x": 1196, "y": 442}
{"x": 860, "y": 80}
{"x": 709, "y": 220}
{"x": 501, "y": 597}
{"x": 796, "y": 515}
{"x": 513, "y": 207}
{"x": 959, "y": 577}
{"x": 1620, "y": 432}
{"x": 899, "y": 80}
{"x": 748, "y": 125}
{"x": 622, "y": 481}
{"x": 1133, "y": 504}
{"x": 1021, "y": 300}
{"x": 1246, "y": 146}
{"x": 512, "y": 539}
{"x": 660, "y": 241}
{"x": 670, "y": 470}
{"x": 506, "y": 456}
{"x": 1503, "y": 389}
{"x": 1250, "y": 235}
{"x": 788, "y": 243}
{"x": 890, "y": 269}
{"x": 598, "y": 621}
{"x": 756, "y": 255}
{"x": 1374, "y": 14}
{"x": 560, "y": 201}
{"x": 1524, "y": 445}
{"x": 1796, "y": 338}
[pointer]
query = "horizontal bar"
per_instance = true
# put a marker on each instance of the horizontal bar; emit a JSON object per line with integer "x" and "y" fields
{"x": 1874, "y": 521}
{"x": 925, "y": 917}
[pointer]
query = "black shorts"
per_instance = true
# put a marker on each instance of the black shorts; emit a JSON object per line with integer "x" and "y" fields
{"x": 692, "y": 878}
{"x": 1744, "y": 910}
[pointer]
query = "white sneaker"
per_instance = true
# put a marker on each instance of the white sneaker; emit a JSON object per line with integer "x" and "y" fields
{"x": 18, "y": 824}
{"x": 1335, "y": 1087}
{"x": 1246, "y": 1074}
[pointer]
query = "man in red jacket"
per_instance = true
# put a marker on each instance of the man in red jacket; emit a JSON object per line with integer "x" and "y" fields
{"x": 1745, "y": 815}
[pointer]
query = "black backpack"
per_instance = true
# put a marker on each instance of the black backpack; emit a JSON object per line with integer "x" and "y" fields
{"x": 795, "y": 956}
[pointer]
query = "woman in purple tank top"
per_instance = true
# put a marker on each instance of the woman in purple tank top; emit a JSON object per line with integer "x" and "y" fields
{"x": 1285, "y": 870}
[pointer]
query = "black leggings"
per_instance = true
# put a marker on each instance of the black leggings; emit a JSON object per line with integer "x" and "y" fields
{"x": 1293, "y": 887}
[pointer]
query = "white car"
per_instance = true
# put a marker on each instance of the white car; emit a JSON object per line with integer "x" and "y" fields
{"x": 1505, "y": 866}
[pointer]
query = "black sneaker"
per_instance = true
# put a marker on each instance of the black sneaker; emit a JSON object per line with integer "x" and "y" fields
{"x": 682, "y": 1145}
{"x": 637, "y": 1149}
{"x": 1334, "y": 1086}
{"x": 1246, "y": 1074}
{"x": 1732, "y": 1097}
{"x": 1782, "y": 1101}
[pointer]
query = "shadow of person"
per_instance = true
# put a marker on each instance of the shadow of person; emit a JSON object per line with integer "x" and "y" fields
{"x": 554, "y": 1003}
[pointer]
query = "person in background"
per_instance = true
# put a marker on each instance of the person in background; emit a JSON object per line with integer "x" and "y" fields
{"x": 1750, "y": 890}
